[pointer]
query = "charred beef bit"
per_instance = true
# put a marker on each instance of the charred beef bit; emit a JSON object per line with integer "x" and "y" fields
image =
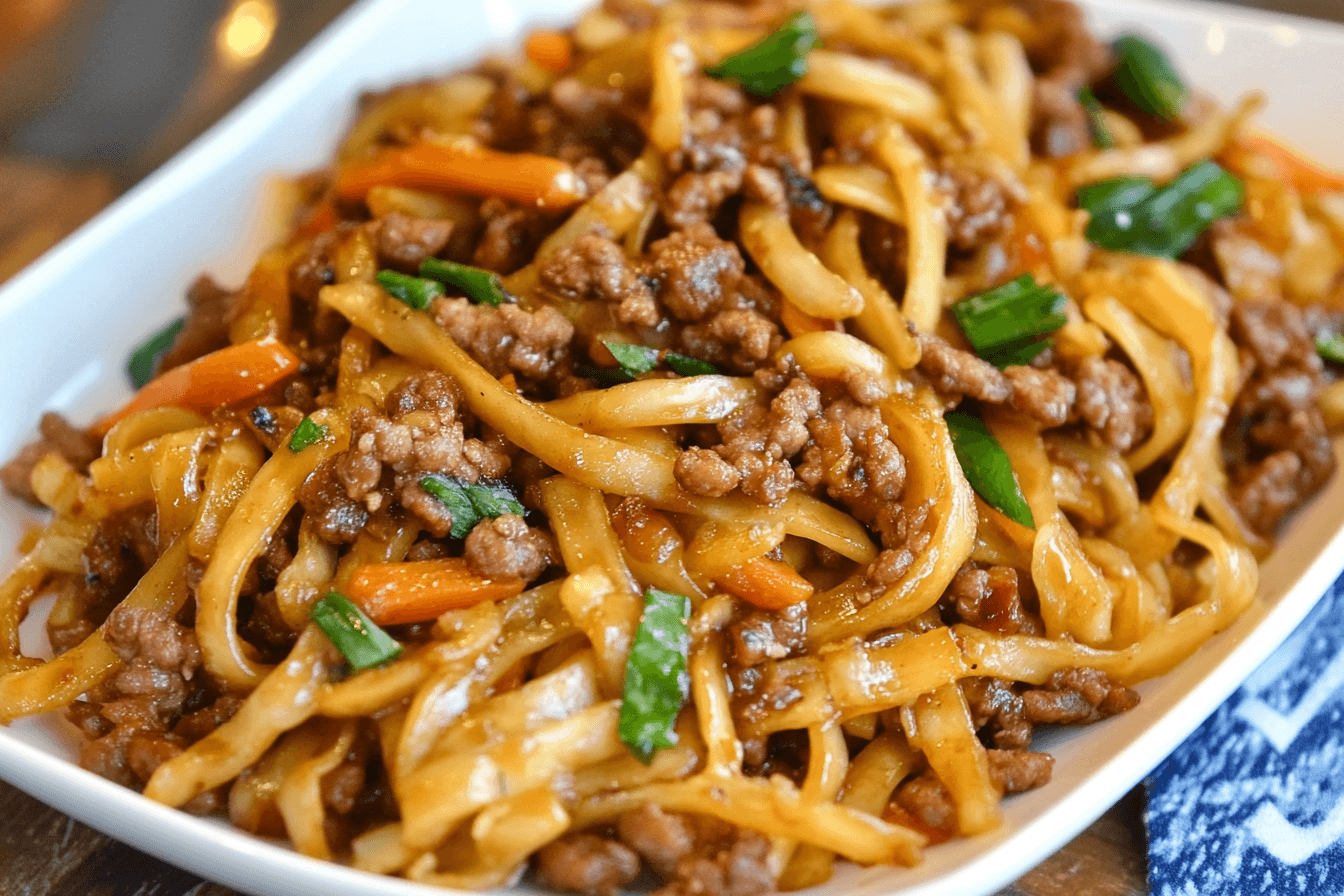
{"x": 593, "y": 267}
{"x": 988, "y": 599}
{"x": 586, "y": 863}
{"x": 1113, "y": 402}
{"x": 961, "y": 373}
{"x": 997, "y": 711}
{"x": 506, "y": 547}
{"x": 1076, "y": 696}
{"x": 207, "y": 324}
{"x": 977, "y": 205}
{"x": 403, "y": 241}
{"x": 315, "y": 268}
{"x": 763, "y": 635}
{"x": 54, "y": 434}
{"x": 1275, "y": 442}
{"x": 533, "y": 345}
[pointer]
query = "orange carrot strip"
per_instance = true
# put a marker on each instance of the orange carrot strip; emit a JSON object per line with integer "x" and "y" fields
{"x": 320, "y": 219}
{"x": 798, "y": 322}
{"x": 551, "y": 50}
{"x": 218, "y": 379}
{"x": 766, "y": 583}
{"x": 1303, "y": 173}
{"x": 421, "y": 590}
{"x": 455, "y": 168}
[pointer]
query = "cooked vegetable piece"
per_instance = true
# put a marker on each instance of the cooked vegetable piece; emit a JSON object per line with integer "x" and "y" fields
{"x": 307, "y": 433}
{"x": 470, "y": 503}
{"x": 460, "y": 167}
{"x": 686, "y": 366}
{"x": 221, "y": 378}
{"x": 1147, "y": 77}
{"x": 1005, "y": 324}
{"x": 551, "y": 50}
{"x": 421, "y": 590}
{"x": 1307, "y": 175}
{"x": 1101, "y": 134}
{"x": 987, "y": 466}
{"x": 635, "y": 360}
{"x": 417, "y": 292}
{"x": 766, "y": 583}
{"x": 362, "y": 643}
{"x": 773, "y": 63}
{"x": 481, "y": 286}
{"x": 656, "y": 681}
{"x": 1129, "y": 215}
{"x": 144, "y": 359}
{"x": 1330, "y": 346}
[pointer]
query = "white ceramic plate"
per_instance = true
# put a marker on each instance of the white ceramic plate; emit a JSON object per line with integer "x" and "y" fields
{"x": 67, "y": 323}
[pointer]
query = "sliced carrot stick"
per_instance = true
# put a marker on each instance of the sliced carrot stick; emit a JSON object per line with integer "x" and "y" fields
{"x": 320, "y": 218}
{"x": 766, "y": 583}
{"x": 551, "y": 50}
{"x": 218, "y": 379}
{"x": 798, "y": 322}
{"x": 421, "y": 590}
{"x": 1303, "y": 173}
{"x": 461, "y": 168}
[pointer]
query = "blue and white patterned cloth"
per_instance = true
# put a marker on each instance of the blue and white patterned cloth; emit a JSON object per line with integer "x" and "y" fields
{"x": 1253, "y": 802}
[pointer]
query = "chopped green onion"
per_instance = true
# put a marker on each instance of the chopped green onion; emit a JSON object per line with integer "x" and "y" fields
{"x": 1132, "y": 215}
{"x": 144, "y": 359}
{"x": 775, "y": 62}
{"x": 987, "y": 466}
{"x": 470, "y": 503}
{"x": 307, "y": 433}
{"x": 687, "y": 366}
{"x": 481, "y": 286}
{"x": 362, "y": 643}
{"x": 1148, "y": 78}
{"x": 1101, "y": 134}
{"x": 1005, "y": 324}
{"x": 656, "y": 680}
{"x": 1330, "y": 346}
{"x": 414, "y": 291}
{"x": 635, "y": 360}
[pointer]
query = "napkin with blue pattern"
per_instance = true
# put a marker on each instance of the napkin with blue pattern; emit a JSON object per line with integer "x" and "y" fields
{"x": 1253, "y": 802}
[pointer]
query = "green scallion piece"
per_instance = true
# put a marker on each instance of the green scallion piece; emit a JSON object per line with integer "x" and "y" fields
{"x": 634, "y": 359}
{"x": 143, "y": 361}
{"x": 775, "y": 62}
{"x": 656, "y": 681}
{"x": 1330, "y": 346}
{"x": 683, "y": 365}
{"x": 307, "y": 433}
{"x": 987, "y": 466}
{"x": 1101, "y": 134}
{"x": 1132, "y": 215}
{"x": 1147, "y": 77}
{"x": 469, "y": 503}
{"x": 414, "y": 291}
{"x": 481, "y": 286}
{"x": 363, "y": 644}
{"x": 1005, "y": 325}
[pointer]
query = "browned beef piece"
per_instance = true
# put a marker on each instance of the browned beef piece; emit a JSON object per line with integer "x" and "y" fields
{"x": 1013, "y": 771}
{"x": 738, "y": 868}
{"x": 1066, "y": 57}
{"x": 533, "y": 345}
{"x": 123, "y": 546}
{"x": 661, "y": 838}
{"x": 1017, "y": 771}
{"x": 998, "y": 711}
{"x": 55, "y": 434}
{"x": 338, "y": 518}
{"x": 1045, "y": 395}
{"x": 852, "y": 456}
{"x": 977, "y": 205}
{"x": 961, "y": 373}
{"x": 506, "y": 547}
{"x": 1059, "y": 124}
{"x": 989, "y": 599}
{"x": 207, "y": 324}
{"x": 1275, "y": 444}
{"x": 762, "y": 635}
{"x": 593, "y": 267}
{"x": 586, "y": 863}
{"x": 315, "y": 268}
{"x": 511, "y": 236}
{"x": 701, "y": 471}
{"x": 403, "y": 241}
{"x": 1076, "y": 696}
{"x": 1113, "y": 402}
{"x": 195, "y": 725}
{"x": 695, "y": 272}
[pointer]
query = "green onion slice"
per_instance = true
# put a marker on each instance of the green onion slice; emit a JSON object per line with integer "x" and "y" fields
{"x": 636, "y": 360}
{"x": 143, "y": 361}
{"x": 414, "y": 291}
{"x": 1147, "y": 77}
{"x": 775, "y": 62}
{"x": 362, "y": 643}
{"x": 987, "y": 466}
{"x": 656, "y": 681}
{"x": 1330, "y": 346}
{"x": 1005, "y": 324}
{"x": 481, "y": 286}
{"x": 686, "y": 366}
{"x": 1101, "y": 134}
{"x": 1132, "y": 215}
{"x": 307, "y": 433}
{"x": 469, "y": 503}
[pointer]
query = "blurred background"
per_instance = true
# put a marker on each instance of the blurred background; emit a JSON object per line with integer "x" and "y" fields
{"x": 95, "y": 94}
